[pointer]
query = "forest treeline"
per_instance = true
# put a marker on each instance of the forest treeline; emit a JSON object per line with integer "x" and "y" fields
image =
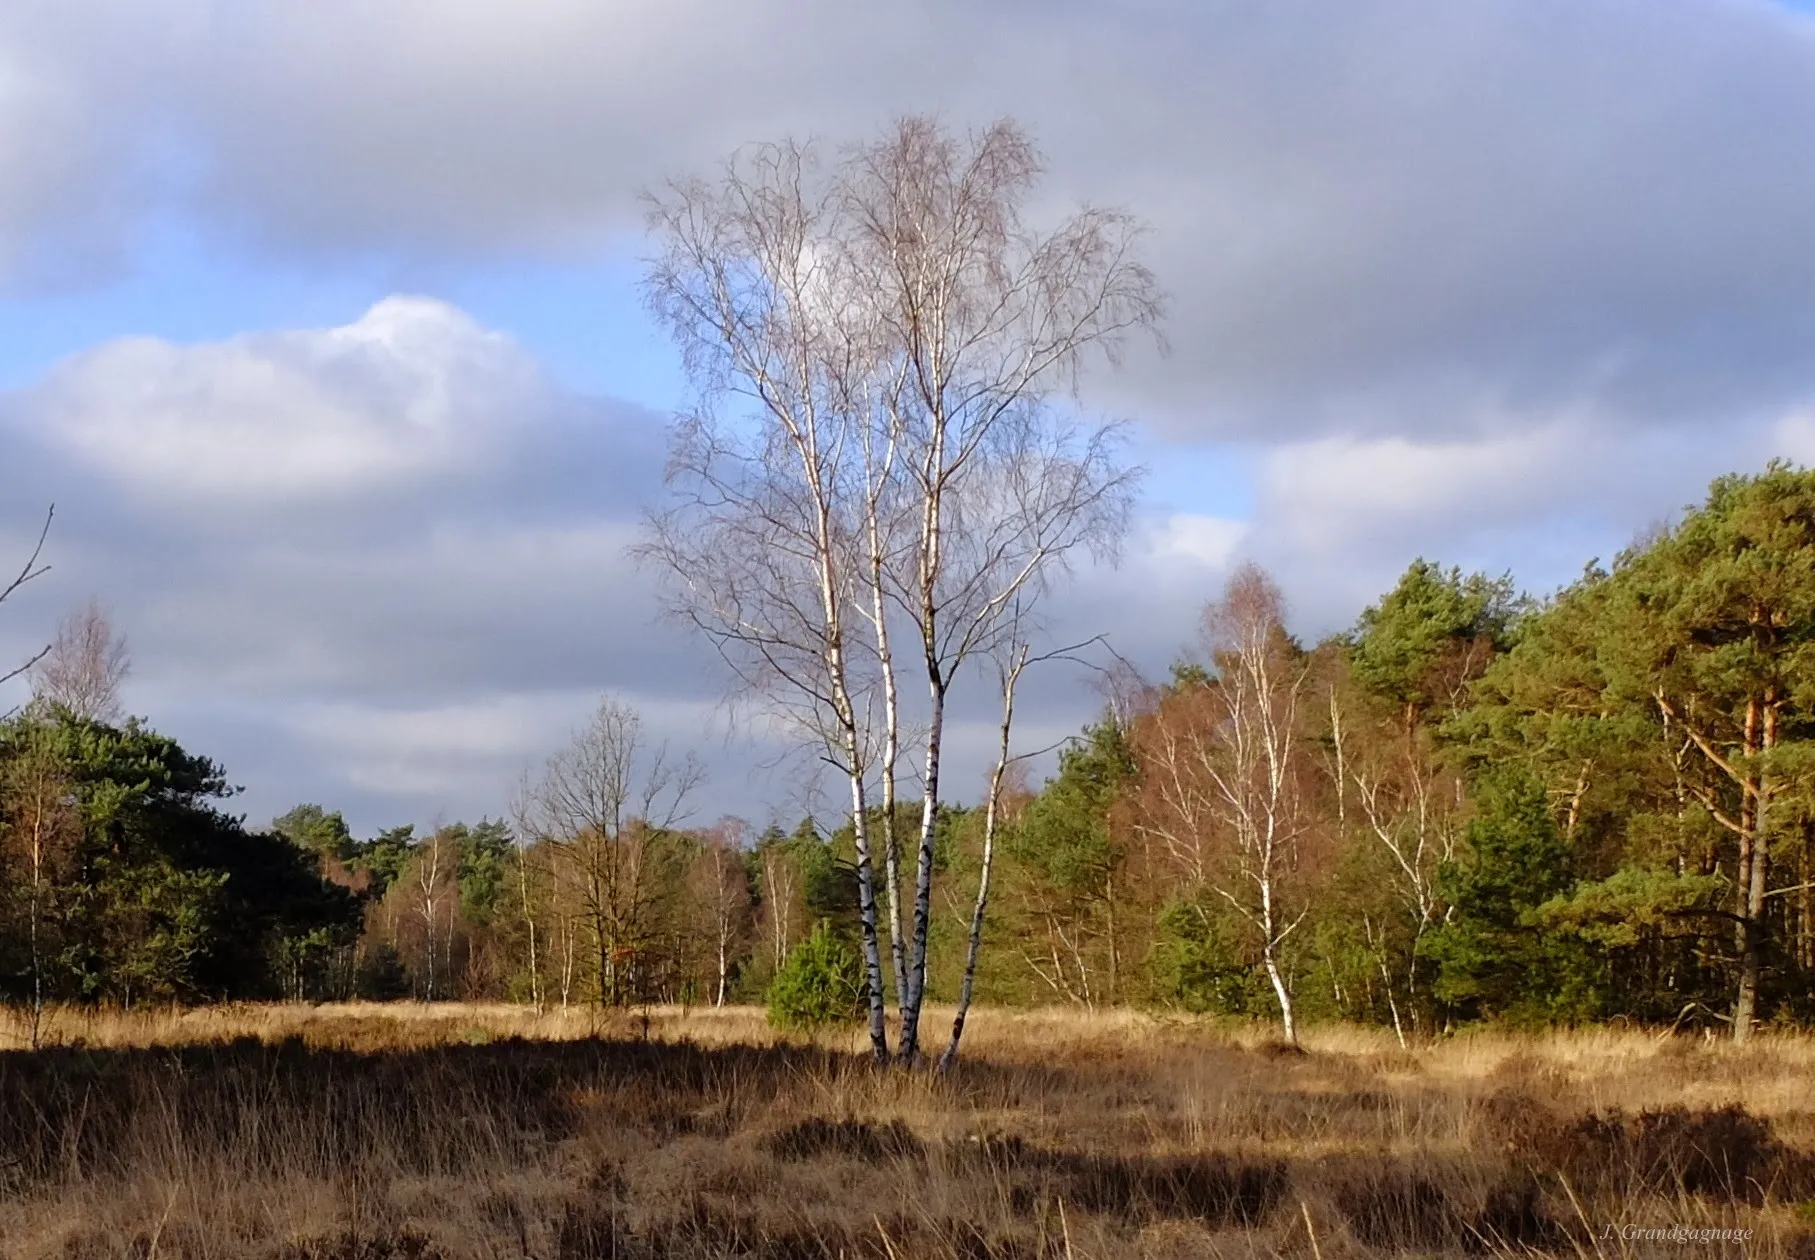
{"x": 1470, "y": 806}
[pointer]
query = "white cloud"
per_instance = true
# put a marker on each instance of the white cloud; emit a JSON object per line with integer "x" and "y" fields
{"x": 410, "y": 390}
{"x": 1540, "y": 495}
{"x": 436, "y": 750}
{"x": 1205, "y": 541}
{"x": 359, "y": 559}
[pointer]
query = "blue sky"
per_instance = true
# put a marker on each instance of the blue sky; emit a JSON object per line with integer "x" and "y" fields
{"x": 321, "y": 324}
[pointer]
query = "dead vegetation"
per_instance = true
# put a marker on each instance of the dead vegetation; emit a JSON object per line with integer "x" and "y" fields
{"x": 410, "y": 1133}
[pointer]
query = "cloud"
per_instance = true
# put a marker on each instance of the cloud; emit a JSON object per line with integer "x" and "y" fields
{"x": 384, "y": 564}
{"x": 437, "y": 752}
{"x": 410, "y": 391}
{"x": 327, "y": 542}
{"x": 1339, "y": 518}
{"x": 1374, "y": 217}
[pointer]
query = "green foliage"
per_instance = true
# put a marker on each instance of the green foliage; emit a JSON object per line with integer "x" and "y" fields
{"x": 1641, "y": 698}
{"x": 1202, "y": 961}
{"x": 1591, "y": 763}
{"x": 380, "y": 975}
{"x": 485, "y": 863}
{"x": 1061, "y": 860}
{"x": 164, "y": 896}
{"x": 1492, "y": 957}
{"x": 313, "y": 828}
{"x": 149, "y": 927}
{"x": 1063, "y": 837}
{"x": 821, "y": 986}
{"x": 383, "y": 858}
{"x": 1645, "y": 928}
{"x": 1400, "y": 644}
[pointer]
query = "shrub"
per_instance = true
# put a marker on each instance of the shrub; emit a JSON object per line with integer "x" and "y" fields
{"x": 820, "y": 986}
{"x": 380, "y": 976}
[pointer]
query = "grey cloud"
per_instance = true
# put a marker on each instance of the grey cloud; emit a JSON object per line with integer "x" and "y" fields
{"x": 1374, "y": 216}
{"x": 455, "y": 566}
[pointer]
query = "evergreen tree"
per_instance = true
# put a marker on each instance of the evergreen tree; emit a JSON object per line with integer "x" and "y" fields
{"x": 1492, "y": 957}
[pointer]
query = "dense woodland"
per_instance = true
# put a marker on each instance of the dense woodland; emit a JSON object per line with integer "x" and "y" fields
{"x": 1471, "y": 806}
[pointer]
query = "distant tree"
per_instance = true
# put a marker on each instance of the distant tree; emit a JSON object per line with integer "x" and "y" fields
{"x": 608, "y": 806}
{"x": 486, "y": 857}
{"x": 1063, "y": 865}
{"x": 312, "y": 828}
{"x": 778, "y": 882}
{"x": 381, "y": 976}
{"x": 383, "y": 858}
{"x": 1493, "y": 956}
{"x": 161, "y": 895}
{"x": 429, "y": 891}
{"x": 39, "y": 831}
{"x": 1665, "y": 707}
{"x": 85, "y": 666}
{"x": 719, "y": 884}
{"x": 1431, "y": 635}
{"x": 1391, "y": 685}
{"x": 1714, "y": 628}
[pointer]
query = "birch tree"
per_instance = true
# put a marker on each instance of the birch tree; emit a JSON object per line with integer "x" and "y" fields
{"x": 84, "y": 667}
{"x": 1409, "y": 669}
{"x": 898, "y": 337}
{"x": 1224, "y": 765}
{"x": 1011, "y": 664}
{"x": 989, "y": 321}
{"x": 432, "y": 887}
{"x": 720, "y": 888}
{"x": 41, "y": 828}
{"x": 760, "y": 540}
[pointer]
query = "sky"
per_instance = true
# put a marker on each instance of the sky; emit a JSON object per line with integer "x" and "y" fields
{"x": 321, "y": 326}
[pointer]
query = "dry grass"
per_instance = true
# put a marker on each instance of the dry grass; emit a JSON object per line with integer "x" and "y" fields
{"x": 376, "y": 1132}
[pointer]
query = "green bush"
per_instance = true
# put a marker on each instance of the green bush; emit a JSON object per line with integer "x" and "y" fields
{"x": 1200, "y": 963}
{"x": 820, "y": 986}
{"x": 379, "y": 976}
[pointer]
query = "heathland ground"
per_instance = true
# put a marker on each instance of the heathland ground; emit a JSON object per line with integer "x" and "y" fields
{"x": 366, "y": 1131}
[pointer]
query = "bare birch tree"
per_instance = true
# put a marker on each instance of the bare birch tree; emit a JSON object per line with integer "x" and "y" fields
{"x": 989, "y": 319}
{"x": 1224, "y": 764}
{"x": 780, "y": 890}
{"x": 761, "y": 540}
{"x": 84, "y": 667}
{"x": 433, "y": 886}
{"x": 1395, "y": 794}
{"x": 1011, "y": 663}
{"x": 720, "y": 886}
{"x": 899, "y": 334}
{"x": 533, "y": 891}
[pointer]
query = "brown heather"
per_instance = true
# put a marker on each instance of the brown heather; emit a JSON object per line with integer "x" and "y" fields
{"x": 362, "y": 1132}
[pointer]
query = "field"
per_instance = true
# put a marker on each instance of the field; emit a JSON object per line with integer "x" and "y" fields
{"x": 378, "y": 1132}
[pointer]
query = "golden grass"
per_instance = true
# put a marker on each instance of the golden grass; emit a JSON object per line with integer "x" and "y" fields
{"x": 365, "y": 1132}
